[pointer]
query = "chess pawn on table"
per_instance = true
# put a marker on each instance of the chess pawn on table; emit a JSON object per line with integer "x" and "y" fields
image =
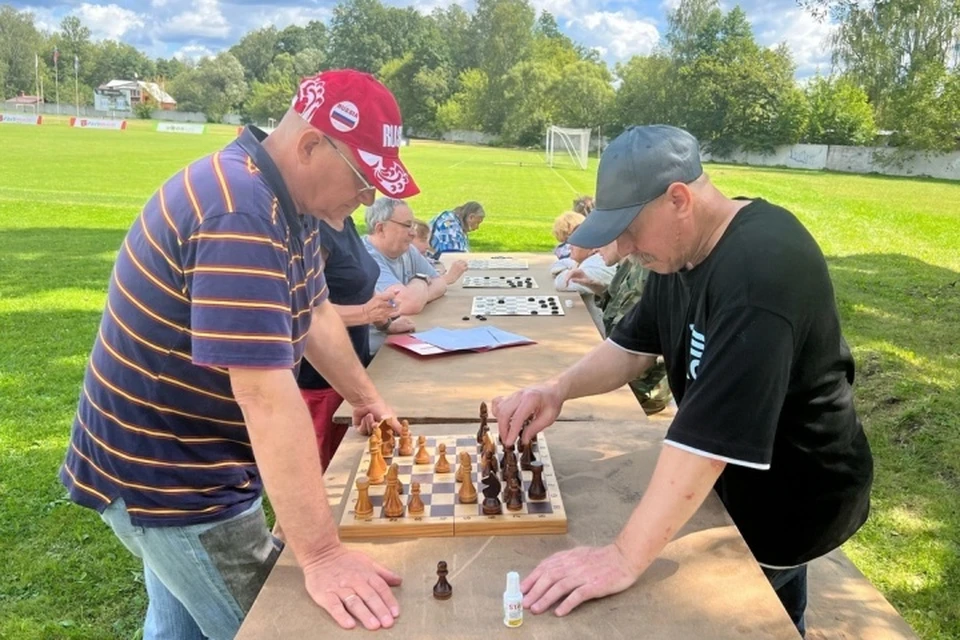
{"x": 443, "y": 589}
{"x": 392, "y": 505}
{"x": 468, "y": 493}
{"x": 442, "y": 465}
{"x": 514, "y": 498}
{"x": 394, "y": 473}
{"x": 423, "y": 456}
{"x": 406, "y": 440}
{"x": 415, "y": 503}
{"x": 363, "y": 510}
{"x": 527, "y": 457}
{"x": 378, "y": 467}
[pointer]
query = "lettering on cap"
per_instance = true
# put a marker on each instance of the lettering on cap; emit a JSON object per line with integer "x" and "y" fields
{"x": 344, "y": 116}
{"x": 392, "y": 135}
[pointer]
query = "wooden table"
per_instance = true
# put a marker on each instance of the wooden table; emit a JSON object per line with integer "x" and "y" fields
{"x": 449, "y": 388}
{"x": 704, "y": 585}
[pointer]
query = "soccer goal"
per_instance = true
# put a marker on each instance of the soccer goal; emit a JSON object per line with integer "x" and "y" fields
{"x": 568, "y": 146}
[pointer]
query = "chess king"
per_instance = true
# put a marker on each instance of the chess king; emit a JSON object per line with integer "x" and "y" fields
{"x": 741, "y": 307}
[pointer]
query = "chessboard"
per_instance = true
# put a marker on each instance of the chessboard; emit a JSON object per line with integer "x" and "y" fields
{"x": 443, "y": 514}
{"x": 517, "y": 306}
{"x": 499, "y": 282}
{"x": 498, "y": 263}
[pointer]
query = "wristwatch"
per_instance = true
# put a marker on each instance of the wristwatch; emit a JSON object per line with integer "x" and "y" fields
{"x": 422, "y": 276}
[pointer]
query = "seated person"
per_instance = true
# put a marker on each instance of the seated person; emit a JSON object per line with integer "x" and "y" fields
{"x": 583, "y": 204}
{"x": 389, "y": 240}
{"x": 351, "y": 275}
{"x": 587, "y": 264}
{"x": 563, "y": 226}
{"x": 421, "y": 241}
{"x": 448, "y": 231}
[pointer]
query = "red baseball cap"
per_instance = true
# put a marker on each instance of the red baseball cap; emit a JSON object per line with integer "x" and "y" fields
{"x": 356, "y": 109}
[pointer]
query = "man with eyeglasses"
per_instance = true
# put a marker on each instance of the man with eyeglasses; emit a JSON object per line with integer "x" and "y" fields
{"x": 190, "y": 405}
{"x": 389, "y": 239}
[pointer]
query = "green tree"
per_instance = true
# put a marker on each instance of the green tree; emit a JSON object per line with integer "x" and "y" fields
{"x": 294, "y": 39}
{"x": 364, "y": 34}
{"x": 112, "y": 60}
{"x": 214, "y": 87}
{"x": 19, "y": 41}
{"x": 168, "y": 69}
{"x": 839, "y": 112}
{"x": 256, "y": 51}
{"x": 505, "y": 29}
{"x": 420, "y": 90}
{"x": 583, "y": 95}
{"x": 466, "y": 108}
{"x": 648, "y": 93}
{"x": 529, "y": 102}
{"x": 75, "y": 42}
{"x": 453, "y": 25}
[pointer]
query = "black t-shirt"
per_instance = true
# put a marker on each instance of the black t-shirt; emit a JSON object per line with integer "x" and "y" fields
{"x": 762, "y": 376}
{"x": 351, "y": 273}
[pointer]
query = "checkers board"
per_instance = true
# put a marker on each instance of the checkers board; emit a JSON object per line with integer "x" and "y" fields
{"x": 443, "y": 515}
{"x": 517, "y": 306}
{"x": 498, "y": 263}
{"x": 499, "y": 282}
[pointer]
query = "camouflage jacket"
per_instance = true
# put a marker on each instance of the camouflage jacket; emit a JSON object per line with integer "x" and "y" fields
{"x": 624, "y": 292}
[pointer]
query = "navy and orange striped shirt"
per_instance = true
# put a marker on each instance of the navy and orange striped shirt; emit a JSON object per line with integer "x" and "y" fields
{"x": 217, "y": 271}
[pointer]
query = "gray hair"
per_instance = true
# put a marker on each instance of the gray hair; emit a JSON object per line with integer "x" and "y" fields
{"x": 380, "y": 211}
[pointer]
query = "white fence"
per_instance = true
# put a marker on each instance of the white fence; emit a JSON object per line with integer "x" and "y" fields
{"x": 883, "y": 160}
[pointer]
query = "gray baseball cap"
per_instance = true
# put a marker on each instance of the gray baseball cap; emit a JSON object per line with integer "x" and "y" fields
{"x": 637, "y": 167}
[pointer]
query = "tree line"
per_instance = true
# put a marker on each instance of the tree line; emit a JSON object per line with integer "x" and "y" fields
{"x": 505, "y": 70}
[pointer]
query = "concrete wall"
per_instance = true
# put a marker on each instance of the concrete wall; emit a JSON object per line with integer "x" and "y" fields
{"x": 882, "y": 160}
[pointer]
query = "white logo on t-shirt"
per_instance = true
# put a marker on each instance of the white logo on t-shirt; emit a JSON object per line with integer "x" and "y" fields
{"x": 698, "y": 344}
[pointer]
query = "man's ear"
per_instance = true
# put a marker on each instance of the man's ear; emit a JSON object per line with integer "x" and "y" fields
{"x": 680, "y": 196}
{"x": 308, "y": 145}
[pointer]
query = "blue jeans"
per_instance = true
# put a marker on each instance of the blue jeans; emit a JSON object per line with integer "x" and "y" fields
{"x": 791, "y": 587}
{"x": 201, "y": 579}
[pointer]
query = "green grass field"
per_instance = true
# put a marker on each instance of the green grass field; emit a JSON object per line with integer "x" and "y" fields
{"x": 67, "y": 197}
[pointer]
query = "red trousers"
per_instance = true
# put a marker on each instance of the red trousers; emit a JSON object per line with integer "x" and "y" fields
{"x": 323, "y": 403}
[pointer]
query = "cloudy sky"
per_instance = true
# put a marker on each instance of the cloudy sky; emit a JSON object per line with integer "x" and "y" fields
{"x": 618, "y": 29}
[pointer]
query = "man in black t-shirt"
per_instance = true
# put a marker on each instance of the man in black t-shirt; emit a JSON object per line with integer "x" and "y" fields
{"x": 741, "y": 307}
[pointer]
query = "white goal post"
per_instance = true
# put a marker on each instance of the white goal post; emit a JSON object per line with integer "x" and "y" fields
{"x": 566, "y": 145}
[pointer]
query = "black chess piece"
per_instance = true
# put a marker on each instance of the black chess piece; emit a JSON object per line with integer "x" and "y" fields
{"x": 514, "y": 498}
{"x": 491, "y": 495}
{"x": 537, "y": 490}
{"x": 443, "y": 589}
{"x": 526, "y": 457}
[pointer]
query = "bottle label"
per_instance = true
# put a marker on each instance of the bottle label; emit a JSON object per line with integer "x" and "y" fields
{"x": 513, "y": 613}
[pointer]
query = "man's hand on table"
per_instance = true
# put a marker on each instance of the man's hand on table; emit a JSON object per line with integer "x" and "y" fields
{"x": 540, "y": 404}
{"x": 575, "y": 576}
{"x": 350, "y": 587}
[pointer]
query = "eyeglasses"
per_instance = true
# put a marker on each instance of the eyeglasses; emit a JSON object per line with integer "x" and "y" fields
{"x": 408, "y": 225}
{"x": 366, "y": 185}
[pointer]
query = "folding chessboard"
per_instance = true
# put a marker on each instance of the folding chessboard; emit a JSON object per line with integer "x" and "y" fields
{"x": 499, "y": 282}
{"x": 443, "y": 514}
{"x": 498, "y": 263}
{"x": 517, "y": 306}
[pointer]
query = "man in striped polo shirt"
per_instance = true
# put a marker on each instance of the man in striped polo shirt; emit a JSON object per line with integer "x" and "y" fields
{"x": 190, "y": 403}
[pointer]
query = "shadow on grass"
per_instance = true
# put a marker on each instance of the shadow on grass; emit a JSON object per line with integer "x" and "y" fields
{"x": 900, "y": 316}
{"x": 36, "y": 260}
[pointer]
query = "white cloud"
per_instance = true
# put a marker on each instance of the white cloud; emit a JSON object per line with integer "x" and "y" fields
{"x": 282, "y": 17}
{"x": 622, "y": 35}
{"x": 204, "y": 20}
{"x": 108, "y": 21}
{"x": 807, "y": 38}
{"x": 193, "y": 52}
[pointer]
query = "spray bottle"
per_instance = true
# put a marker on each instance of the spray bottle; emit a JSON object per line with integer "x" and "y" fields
{"x": 513, "y": 601}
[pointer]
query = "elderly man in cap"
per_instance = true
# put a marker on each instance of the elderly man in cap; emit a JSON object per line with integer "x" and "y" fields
{"x": 190, "y": 405}
{"x": 741, "y": 307}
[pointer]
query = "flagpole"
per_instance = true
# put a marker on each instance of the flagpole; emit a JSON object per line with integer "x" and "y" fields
{"x": 36, "y": 71}
{"x": 56, "y": 75}
{"x": 76, "y": 81}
